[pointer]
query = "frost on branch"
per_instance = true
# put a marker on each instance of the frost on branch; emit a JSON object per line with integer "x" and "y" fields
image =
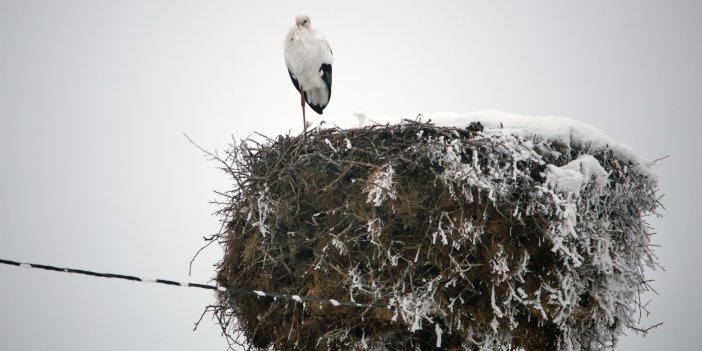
{"x": 380, "y": 185}
{"x": 473, "y": 238}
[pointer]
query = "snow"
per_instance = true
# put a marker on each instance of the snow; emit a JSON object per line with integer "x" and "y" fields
{"x": 499, "y": 263}
{"x": 361, "y": 118}
{"x": 563, "y": 131}
{"x": 265, "y": 209}
{"x": 439, "y": 332}
{"x": 570, "y": 179}
{"x": 326, "y": 141}
{"x": 381, "y": 186}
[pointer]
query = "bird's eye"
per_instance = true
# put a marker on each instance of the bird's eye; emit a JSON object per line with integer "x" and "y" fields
{"x": 305, "y": 21}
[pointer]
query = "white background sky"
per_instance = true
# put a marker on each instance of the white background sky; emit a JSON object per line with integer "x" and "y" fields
{"x": 95, "y": 96}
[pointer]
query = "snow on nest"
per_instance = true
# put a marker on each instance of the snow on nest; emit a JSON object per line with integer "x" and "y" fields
{"x": 559, "y": 130}
{"x": 570, "y": 178}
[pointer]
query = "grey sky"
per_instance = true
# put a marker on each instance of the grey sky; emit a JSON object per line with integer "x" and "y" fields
{"x": 95, "y": 173}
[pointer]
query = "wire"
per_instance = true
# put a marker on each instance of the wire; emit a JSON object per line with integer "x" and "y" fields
{"x": 231, "y": 290}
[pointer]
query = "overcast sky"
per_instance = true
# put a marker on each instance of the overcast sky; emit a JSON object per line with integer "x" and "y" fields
{"x": 96, "y": 174}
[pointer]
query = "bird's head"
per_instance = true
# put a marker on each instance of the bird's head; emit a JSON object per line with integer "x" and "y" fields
{"x": 303, "y": 21}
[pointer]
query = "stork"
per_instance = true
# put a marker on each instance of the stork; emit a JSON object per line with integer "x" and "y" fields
{"x": 308, "y": 57}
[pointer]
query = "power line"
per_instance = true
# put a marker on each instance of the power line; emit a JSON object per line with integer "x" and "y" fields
{"x": 231, "y": 290}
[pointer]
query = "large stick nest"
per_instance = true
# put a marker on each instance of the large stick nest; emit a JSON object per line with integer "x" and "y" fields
{"x": 464, "y": 237}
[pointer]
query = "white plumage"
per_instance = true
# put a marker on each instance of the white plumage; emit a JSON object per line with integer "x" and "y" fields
{"x": 309, "y": 59}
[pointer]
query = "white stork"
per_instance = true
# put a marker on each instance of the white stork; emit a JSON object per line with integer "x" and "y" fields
{"x": 309, "y": 60}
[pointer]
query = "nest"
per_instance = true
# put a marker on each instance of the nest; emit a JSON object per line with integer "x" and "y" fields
{"x": 461, "y": 239}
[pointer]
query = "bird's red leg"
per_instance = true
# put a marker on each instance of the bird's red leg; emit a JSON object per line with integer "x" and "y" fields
{"x": 302, "y": 103}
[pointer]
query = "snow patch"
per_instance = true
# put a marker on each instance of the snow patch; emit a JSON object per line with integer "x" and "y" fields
{"x": 439, "y": 332}
{"x": 563, "y": 131}
{"x": 571, "y": 178}
{"x": 380, "y": 186}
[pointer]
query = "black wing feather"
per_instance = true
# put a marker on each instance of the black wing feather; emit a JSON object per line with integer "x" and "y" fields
{"x": 326, "y": 72}
{"x": 295, "y": 83}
